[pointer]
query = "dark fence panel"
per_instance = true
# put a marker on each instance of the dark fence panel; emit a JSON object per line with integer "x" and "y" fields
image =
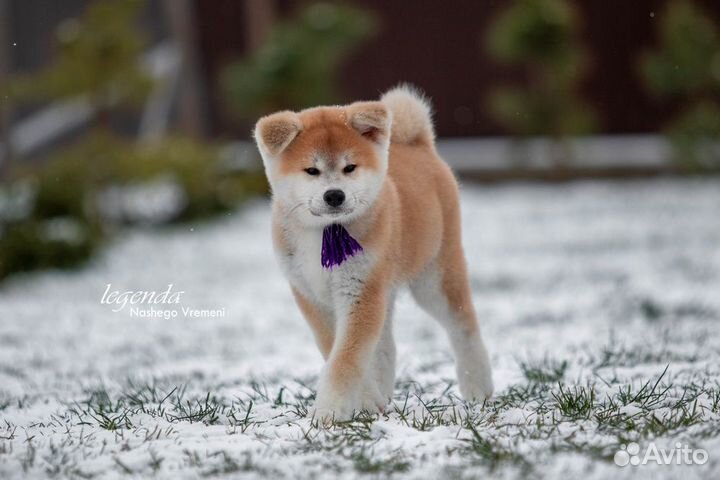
{"x": 439, "y": 46}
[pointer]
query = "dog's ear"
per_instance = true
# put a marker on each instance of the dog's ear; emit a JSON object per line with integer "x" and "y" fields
{"x": 275, "y": 132}
{"x": 371, "y": 119}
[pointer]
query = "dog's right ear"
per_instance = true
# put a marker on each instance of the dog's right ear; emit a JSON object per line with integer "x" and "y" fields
{"x": 275, "y": 132}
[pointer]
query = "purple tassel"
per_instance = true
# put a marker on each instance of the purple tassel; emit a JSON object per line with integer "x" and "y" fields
{"x": 337, "y": 246}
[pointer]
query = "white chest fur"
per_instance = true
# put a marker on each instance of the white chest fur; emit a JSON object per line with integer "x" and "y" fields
{"x": 306, "y": 273}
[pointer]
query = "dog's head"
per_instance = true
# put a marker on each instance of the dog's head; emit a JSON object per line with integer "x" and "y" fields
{"x": 326, "y": 164}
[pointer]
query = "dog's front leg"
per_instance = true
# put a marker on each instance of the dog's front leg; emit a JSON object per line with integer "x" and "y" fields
{"x": 319, "y": 319}
{"x": 346, "y": 384}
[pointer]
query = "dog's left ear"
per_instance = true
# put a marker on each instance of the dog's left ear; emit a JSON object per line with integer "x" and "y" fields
{"x": 371, "y": 119}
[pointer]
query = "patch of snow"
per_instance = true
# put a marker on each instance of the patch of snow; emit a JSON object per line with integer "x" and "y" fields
{"x": 620, "y": 279}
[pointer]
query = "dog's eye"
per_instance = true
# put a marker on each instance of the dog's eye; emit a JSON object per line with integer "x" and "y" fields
{"x": 349, "y": 168}
{"x": 312, "y": 171}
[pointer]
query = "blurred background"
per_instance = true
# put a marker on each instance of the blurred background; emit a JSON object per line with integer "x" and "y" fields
{"x": 117, "y": 113}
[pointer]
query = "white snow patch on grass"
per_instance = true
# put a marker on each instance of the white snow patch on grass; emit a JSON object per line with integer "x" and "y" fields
{"x": 599, "y": 302}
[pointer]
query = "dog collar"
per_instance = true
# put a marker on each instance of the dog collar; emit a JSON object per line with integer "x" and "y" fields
{"x": 337, "y": 246}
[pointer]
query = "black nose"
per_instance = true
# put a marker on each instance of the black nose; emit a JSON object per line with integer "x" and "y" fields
{"x": 334, "y": 198}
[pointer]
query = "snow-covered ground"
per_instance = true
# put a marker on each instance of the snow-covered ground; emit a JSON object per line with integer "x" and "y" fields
{"x": 600, "y": 303}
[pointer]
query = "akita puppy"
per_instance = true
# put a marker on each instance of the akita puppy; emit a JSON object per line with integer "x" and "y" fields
{"x": 363, "y": 204}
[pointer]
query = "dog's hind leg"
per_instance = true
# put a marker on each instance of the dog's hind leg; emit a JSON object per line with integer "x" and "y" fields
{"x": 385, "y": 353}
{"x": 443, "y": 291}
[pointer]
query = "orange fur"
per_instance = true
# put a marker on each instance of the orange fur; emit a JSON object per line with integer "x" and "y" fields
{"x": 319, "y": 320}
{"x": 410, "y": 229}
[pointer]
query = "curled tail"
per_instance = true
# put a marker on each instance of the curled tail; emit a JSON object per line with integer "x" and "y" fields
{"x": 411, "y": 114}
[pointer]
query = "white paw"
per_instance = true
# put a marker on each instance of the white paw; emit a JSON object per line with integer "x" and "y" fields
{"x": 333, "y": 405}
{"x": 476, "y": 383}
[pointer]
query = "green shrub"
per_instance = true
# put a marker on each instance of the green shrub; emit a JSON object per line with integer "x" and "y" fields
{"x": 695, "y": 134}
{"x": 82, "y": 193}
{"x": 540, "y": 38}
{"x": 69, "y": 179}
{"x": 296, "y": 67}
{"x": 69, "y": 215}
{"x": 195, "y": 166}
{"x": 62, "y": 242}
{"x": 686, "y": 68}
{"x": 97, "y": 56}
